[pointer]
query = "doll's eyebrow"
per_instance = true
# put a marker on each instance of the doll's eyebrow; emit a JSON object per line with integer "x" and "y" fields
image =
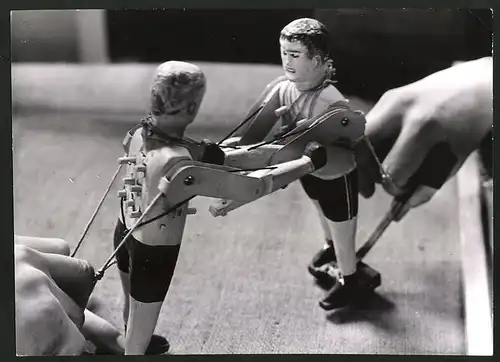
{"x": 291, "y": 51}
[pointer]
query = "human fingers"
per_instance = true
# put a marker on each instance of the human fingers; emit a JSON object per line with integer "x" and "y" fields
{"x": 44, "y": 245}
{"x": 383, "y": 125}
{"x": 438, "y": 166}
{"x": 74, "y": 276}
{"x": 421, "y": 195}
{"x": 65, "y": 278}
{"x": 47, "y": 319}
{"x": 384, "y": 120}
{"x": 103, "y": 334}
{"x": 43, "y": 326}
{"x": 409, "y": 151}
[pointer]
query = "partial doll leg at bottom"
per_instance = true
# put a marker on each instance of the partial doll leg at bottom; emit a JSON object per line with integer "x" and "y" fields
{"x": 341, "y": 212}
{"x": 157, "y": 344}
{"x": 327, "y": 253}
{"x": 338, "y": 201}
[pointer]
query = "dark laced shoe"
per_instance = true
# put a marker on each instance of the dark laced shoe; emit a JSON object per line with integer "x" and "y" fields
{"x": 343, "y": 294}
{"x": 324, "y": 256}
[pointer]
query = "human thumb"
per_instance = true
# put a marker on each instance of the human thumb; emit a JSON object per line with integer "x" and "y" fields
{"x": 74, "y": 276}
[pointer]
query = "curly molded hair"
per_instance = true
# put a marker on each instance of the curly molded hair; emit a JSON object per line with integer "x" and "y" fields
{"x": 176, "y": 86}
{"x": 310, "y": 32}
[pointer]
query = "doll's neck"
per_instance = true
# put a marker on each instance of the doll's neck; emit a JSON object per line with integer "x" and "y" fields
{"x": 312, "y": 83}
{"x": 171, "y": 126}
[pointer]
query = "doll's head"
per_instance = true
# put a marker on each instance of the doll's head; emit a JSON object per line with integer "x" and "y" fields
{"x": 176, "y": 94}
{"x": 305, "y": 54}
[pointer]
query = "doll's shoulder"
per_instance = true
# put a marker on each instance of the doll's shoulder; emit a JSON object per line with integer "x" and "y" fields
{"x": 330, "y": 94}
{"x": 324, "y": 98}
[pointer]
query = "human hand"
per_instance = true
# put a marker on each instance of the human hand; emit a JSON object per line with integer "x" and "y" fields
{"x": 452, "y": 106}
{"x": 51, "y": 293}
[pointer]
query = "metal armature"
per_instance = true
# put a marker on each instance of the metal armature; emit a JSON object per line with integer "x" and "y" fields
{"x": 223, "y": 182}
{"x": 187, "y": 179}
{"x": 249, "y": 171}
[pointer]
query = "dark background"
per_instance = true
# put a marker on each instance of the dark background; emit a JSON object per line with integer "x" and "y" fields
{"x": 374, "y": 50}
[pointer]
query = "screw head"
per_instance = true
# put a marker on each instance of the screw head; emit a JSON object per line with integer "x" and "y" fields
{"x": 344, "y": 121}
{"x": 189, "y": 180}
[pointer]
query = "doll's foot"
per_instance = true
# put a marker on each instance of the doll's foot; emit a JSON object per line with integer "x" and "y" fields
{"x": 343, "y": 294}
{"x": 324, "y": 256}
{"x": 157, "y": 345}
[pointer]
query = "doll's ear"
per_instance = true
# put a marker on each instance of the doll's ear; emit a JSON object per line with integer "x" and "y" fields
{"x": 317, "y": 61}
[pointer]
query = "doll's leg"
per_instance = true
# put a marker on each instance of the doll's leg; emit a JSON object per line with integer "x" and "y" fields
{"x": 151, "y": 271}
{"x": 157, "y": 344}
{"x": 122, "y": 263}
{"x": 313, "y": 188}
{"x": 339, "y": 203}
{"x": 324, "y": 224}
{"x": 340, "y": 207}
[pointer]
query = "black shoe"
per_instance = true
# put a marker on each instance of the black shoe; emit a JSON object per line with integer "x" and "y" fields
{"x": 341, "y": 295}
{"x": 157, "y": 345}
{"x": 322, "y": 257}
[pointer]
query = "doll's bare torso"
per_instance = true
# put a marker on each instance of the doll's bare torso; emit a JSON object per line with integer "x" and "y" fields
{"x": 167, "y": 230}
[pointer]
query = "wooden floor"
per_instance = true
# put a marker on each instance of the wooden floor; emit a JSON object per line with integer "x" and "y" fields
{"x": 241, "y": 285}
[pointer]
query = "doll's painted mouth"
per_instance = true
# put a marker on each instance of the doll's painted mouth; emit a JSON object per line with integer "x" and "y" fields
{"x": 289, "y": 70}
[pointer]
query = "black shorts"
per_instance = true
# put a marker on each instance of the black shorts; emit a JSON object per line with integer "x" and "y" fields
{"x": 338, "y": 198}
{"x": 122, "y": 255}
{"x": 150, "y": 268}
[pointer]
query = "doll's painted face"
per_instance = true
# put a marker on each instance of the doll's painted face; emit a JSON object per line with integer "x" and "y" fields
{"x": 297, "y": 65}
